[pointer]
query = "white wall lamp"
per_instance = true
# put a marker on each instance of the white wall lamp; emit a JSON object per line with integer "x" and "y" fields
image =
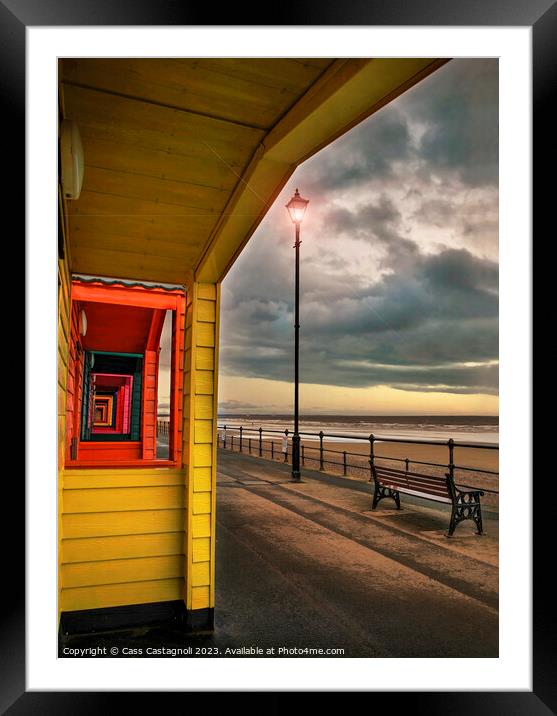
{"x": 82, "y": 323}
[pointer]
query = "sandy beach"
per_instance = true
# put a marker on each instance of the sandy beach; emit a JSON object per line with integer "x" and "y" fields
{"x": 468, "y": 457}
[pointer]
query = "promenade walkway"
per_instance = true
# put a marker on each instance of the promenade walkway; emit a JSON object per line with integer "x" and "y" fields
{"x": 309, "y": 566}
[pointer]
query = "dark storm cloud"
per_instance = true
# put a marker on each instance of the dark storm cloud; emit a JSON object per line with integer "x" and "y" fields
{"x": 430, "y": 322}
{"x": 407, "y": 315}
{"x": 436, "y": 212}
{"x": 264, "y": 314}
{"x": 461, "y": 116}
{"x": 377, "y": 224}
{"x": 380, "y": 217}
{"x": 459, "y": 134}
{"x": 450, "y": 286}
{"x": 369, "y": 153}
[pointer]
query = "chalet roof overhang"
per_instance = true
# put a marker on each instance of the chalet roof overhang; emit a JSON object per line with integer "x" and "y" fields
{"x": 183, "y": 157}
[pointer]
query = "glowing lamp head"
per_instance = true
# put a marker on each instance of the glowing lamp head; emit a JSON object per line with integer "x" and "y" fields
{"x": 297, "y": 208}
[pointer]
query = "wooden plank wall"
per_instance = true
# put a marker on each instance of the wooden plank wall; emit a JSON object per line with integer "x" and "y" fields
{"x": 122, "y": 537}
{"x": 149, "y": 416}
{"x": 64, "y": 307}
{"x": 199, "y": 452}
{"x": 175, "y": 438}
{"x": 122, "y": 531}
{"x": 74, "y": 372}
{"x": 65, "y": 381}
{"x": 110, "y": 452}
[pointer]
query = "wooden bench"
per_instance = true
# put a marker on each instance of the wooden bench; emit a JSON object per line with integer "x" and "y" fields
{"x": 390, "y": 482}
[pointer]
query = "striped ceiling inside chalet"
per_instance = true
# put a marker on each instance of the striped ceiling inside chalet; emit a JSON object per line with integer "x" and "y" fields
{"x": 166, "y": 142}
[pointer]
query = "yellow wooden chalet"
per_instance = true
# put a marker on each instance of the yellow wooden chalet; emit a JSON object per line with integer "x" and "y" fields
{"x": 182, "y": 158}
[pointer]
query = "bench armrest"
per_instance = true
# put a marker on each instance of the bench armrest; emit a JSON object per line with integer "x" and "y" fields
{"x": 464, "y": 492}
{"x": 461, "y": 493}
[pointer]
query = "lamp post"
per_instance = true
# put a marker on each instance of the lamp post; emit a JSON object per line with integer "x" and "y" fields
{"x": 296, "y": 208}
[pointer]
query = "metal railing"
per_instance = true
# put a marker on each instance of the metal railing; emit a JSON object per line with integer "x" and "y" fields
{"x": 259, "y": 441}
{"x": 163, "y": 427}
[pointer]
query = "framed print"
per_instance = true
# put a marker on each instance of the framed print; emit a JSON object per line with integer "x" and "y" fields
{"x": 130, "y": 540}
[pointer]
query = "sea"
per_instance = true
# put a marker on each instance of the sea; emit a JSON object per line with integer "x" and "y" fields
{"x": 462, "y": 428}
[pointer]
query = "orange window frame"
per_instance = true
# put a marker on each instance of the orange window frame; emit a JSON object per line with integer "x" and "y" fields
{"x": 157, "y": 298}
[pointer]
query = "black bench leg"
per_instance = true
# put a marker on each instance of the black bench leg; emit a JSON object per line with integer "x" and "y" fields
{"x": 453, "y": 523}
{"x": 376, "y": 497}
{"x": 478, "y": 520}
{"x": 382, "y": 492}
{"x": 464, "y": 511}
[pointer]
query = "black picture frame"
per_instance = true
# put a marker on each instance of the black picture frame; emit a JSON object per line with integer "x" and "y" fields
{"x": 15, "y": 16}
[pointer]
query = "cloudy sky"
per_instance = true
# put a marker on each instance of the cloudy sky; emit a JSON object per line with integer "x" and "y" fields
{"x": 399, "y": 273}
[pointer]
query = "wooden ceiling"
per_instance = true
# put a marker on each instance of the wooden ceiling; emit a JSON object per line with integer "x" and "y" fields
{"x": 181, "y": 151}
{"x": 165, "y": 143}
{"x": 119, "y": 329}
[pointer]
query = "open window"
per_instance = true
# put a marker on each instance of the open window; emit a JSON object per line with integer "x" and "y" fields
{"x": 111, "y": 401}
{"x": 125, "y": 371}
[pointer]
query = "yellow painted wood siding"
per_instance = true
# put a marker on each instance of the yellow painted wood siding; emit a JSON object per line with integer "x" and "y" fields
{"x": 73, "y": 380}
{"x": 122, "y": 537}
{"x": 63, "y": 352}
{"x": 64, "y": 309}
{"x": 199, "y": 451}
{"x": 116, "y": 595}
{"x": 64, "y": 289}
{"x": 98, "y": 524}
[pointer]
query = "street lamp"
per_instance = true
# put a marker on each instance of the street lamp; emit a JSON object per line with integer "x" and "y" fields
{"x": 296, "y": 208}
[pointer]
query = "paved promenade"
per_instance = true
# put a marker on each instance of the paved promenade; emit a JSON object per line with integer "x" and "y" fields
{"x": 310, "y": 566}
